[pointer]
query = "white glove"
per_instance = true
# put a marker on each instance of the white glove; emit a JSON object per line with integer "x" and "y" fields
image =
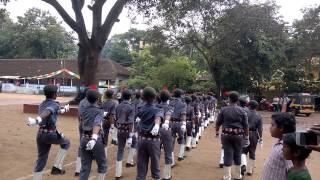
{"x": 183, "y": 126}
{"x": 32, "y": 121}
{"x": 105, "y": 114}
{"x": 246, "y": 142}
{"x": 165, "y": 125}
{"x": 92, "y": 142}
{"x": 138, "y": 119}
{"x": 155, "y": 130}
{"x": 202, "y": 124}
{"x": 129, "y": 141}
{"x": 261, "y": 142}
{"x": 65, "y": 109}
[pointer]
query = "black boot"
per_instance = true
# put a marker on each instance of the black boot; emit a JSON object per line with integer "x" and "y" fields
{"x": 56, "y": 171}
{"x": 128, "y": 165}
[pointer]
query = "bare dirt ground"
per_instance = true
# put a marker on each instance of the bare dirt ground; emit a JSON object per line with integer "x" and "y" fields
{"x": 18, "y": 148}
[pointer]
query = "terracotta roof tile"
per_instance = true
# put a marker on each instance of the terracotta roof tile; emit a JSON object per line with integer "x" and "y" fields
{"x": 107, "y": 69}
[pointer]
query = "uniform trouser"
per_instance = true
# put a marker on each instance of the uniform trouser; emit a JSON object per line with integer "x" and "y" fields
{"x": 232, "y": 147}
{"x": 87, "y": 156}
{"x": 122, "y": 139}
{"x": 44, "y": 142}
{"x": 189, "y": 128}
{"x": 196, "y": 130}
{"x": 148, "y": 149}
{"x": 176, "y": 130}
{"x": 106, "y": 129}
{"x": 166, "y": 141}
{"x": 251, "y": 149}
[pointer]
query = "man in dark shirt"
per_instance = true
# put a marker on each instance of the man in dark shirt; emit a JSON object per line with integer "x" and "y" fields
{"x": 125, "y": 122}
{"x": 195, "y": 134}
{"x": 149, "y": 137}
{"x": 109, "y": 107}
{"x": 91, "y": 143}
{"x": 178, "y": 119}
{"x": 48, "y": 134}
{"x": 255, "y": 134}
{"x": 235, "y": 135}
{"x": 136, "y": 103}
{"x": 165, "y": 133}
{"x": 190, "y": 122}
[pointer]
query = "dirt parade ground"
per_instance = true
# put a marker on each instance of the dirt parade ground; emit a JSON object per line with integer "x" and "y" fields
{"x": 18, "y": 147}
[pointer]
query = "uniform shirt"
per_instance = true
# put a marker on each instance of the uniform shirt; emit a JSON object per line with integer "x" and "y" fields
{"x": 276, "y": 166}
{"x": 179, "y": 108}
{"x": 137, "y": 103}
{"x": 254, "y": 121}
{"x": 147, "y": 114}
{"x": 109, "y": 106}
{"x": 90, "y": 114}
{"x": 166, "y": 108}
{"x": 125, "y": 113}
{"x": 53, "y": 107}
{"x": 190, "y": 113}
{"x": 233, "y": 116}
{"x": 195, "y": 106}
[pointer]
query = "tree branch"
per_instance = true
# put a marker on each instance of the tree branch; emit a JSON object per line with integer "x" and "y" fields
{"x": 77, "y": 6}
{"x": 65, "y": 16}
{"x": 110, "y": 20}
{"x": 96, "y": 17}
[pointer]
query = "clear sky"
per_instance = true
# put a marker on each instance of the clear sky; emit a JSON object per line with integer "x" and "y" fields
{"x": 290, "y": 10}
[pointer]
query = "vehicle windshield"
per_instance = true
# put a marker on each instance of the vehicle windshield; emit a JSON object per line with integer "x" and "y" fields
{"x": 306, "y": 100}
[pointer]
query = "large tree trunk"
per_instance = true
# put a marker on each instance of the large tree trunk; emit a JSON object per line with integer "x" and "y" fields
{"x": 88, "y": 59}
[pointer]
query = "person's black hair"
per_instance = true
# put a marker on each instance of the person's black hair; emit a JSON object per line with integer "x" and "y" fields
{"x": 126, "y": 95}
{"x": 187, "y": 99}
{"x": 149, "y": 94}
{"x": 177, "y": 93}
{"x": 285, "y": 121}
{"x": 164, "y": 96}
{"x": 194, "y": 97}
{"x": 137, "y": 94}
{"x": 50, "y": 91}
{"x": 289, "y": 139}
{"x": 234, "y": 96}
{"x": 92, "y": 95}
{"x": 253, "y": 104}
{"x": 242, "y": 101}
{"x": 109, "y": 93}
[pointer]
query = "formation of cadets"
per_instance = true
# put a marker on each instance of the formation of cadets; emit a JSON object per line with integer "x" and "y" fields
{"x": 145, "y": 122}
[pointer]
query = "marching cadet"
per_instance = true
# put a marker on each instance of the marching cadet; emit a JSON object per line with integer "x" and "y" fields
{"x": 137, "y": 103}
{"x": 178, "y": 120}
{"x": 243, "y": 103}
{"x": 84, "y": 101}
{"x": 91, "y": 144}
{"x": 125, "y": 121}
{"x": 190, "y": 122}
{"x": 149, "y": 138}
{"x": 255, "y": 134}
{"x": 195, "y": 134}
{"x": 206, "y": 103}
{"x": 235, "y": 135}
{"x": 165, "y": 133}
{"x": 48, "y": 133}
{"x": 201, "y": 116}
{"x": 109, "y": 106}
